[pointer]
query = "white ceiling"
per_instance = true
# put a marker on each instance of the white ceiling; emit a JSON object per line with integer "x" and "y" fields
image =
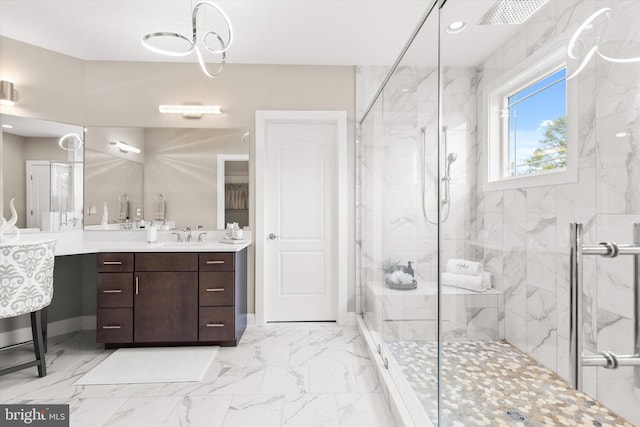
{"x": 318, "y": 32}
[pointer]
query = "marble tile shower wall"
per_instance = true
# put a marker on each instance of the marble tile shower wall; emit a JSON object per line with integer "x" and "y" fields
{"x": 398, "y": 223}
{"x": 389, "y": 188}
{"x": 523, "y": 234}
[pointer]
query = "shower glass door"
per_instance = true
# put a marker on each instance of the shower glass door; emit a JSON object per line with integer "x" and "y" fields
{"x": 538, "y": 129}
{"x": 399, "y": 193}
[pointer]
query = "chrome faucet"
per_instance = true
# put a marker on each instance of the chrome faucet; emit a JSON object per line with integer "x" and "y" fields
{"x": 178, "y": 237}
{"x": 188, "y": 231}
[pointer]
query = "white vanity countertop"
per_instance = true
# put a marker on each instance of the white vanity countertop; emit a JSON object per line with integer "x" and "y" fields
{"x": 86, "y": 242}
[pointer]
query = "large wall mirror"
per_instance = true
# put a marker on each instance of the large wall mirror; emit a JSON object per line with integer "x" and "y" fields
{"x": 165, "y": 175}
{"x": 42, "y": 171}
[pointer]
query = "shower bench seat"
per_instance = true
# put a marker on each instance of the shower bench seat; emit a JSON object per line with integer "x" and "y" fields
{"x": 412, "y": 314}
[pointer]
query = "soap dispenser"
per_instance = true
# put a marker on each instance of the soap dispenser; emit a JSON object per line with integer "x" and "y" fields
{"x": 409, "y": 269}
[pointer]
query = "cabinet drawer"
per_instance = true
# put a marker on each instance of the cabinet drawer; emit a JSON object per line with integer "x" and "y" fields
{"x": 167, "y": 261}
{"x": 216, "y": 324}
{"x": 217, "y": 261}
{"x": 216, "y": 288}
{"x": 115, "y": 290}
{"x": 115, "y": 262}
{"x": 114, "y": 325}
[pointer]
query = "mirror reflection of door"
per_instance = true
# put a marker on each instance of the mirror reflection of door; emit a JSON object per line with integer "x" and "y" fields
{"x": 236, "y": 189}
{"x": 38, "y": 191}
{"x": 49, "y": 194}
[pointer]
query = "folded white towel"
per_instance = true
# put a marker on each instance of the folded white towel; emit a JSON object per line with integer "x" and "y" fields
{"x": 478, "y": 283}
{"x": 463, "y": 266}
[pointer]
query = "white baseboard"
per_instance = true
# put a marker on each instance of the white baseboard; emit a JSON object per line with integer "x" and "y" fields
{"x": 60, "y": 327}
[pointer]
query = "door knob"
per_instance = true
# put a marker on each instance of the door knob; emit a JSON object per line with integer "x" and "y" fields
{"x": 272, "y": 236}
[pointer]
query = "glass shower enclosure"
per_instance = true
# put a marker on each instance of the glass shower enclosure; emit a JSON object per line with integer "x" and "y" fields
{"x": 500, "y": 124}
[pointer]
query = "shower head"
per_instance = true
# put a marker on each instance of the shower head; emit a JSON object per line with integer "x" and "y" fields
{"x": 452, "y": 157}
{"x": 511, "y": 11}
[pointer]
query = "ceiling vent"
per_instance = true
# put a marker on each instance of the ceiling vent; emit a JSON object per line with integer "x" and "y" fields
{"x": 511, "y": 11}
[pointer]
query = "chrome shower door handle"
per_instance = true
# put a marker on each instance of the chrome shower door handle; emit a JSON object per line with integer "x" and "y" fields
{"x": 272, "y": 236}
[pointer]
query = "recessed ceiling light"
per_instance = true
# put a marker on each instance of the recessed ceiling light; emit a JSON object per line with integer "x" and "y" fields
{"x": 7, "y": 126}
{"x": 456, "y": 27}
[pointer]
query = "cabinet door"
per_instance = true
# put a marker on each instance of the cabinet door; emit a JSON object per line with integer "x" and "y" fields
{"x": 166, "y": 307}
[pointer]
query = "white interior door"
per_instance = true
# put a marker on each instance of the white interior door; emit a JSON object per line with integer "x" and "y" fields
{"x": 300, "y": 220}
{"x": 38, "y": 191}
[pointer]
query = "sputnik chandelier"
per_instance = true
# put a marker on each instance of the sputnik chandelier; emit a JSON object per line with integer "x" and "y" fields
{"x": 206, "y": 39}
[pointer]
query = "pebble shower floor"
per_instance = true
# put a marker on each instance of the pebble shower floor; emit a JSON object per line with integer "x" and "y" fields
{"x": 491, "y": 383}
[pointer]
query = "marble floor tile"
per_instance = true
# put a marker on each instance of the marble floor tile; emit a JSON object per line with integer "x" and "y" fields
{"x": 332, "y": 379}
{"x": 327, "y": 337}
{"x": 311, "y": 355}
{"x": 270, "y": 356}
{"x": 285, "y": 380}
{"x": 195, "y": 411}
{"x": 287, "y": 374}
{"x": 254, "y": 411}
{"x": 291, "y": 337}
{"x": 350, "y": 354}
{"x": 363, "y": 409}
{"x": 94, "y": 412}
{"x": 310, "y": 410}
{"x": 239, "y": 381}
{"x": 235, "y": 356}
{"x": 143, "y": 411}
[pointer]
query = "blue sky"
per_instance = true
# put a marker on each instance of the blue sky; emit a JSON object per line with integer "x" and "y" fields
{"x": 532, "y": 114}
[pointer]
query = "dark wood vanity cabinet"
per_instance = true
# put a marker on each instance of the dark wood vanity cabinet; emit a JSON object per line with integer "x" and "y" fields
{"x": 171, "y": 298}
{"x": 115, "y": 298}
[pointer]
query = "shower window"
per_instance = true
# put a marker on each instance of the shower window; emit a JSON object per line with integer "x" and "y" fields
{"x": 535, "y": 126}
{"x": 528, "y": 142}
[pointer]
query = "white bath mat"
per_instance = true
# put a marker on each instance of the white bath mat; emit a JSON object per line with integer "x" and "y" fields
{"x": 152, "y": 365}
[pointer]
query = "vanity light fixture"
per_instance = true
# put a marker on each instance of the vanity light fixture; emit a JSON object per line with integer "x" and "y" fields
{"x": 125, "y": 148}
{"x": 456, "y": 27}
{"x": 8, "y": 94}
{"x": 190, "y": 111}
{"x": 192, "y": 42}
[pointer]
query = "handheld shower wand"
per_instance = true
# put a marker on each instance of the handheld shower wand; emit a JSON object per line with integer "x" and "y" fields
{"x": 451, "y": 157}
